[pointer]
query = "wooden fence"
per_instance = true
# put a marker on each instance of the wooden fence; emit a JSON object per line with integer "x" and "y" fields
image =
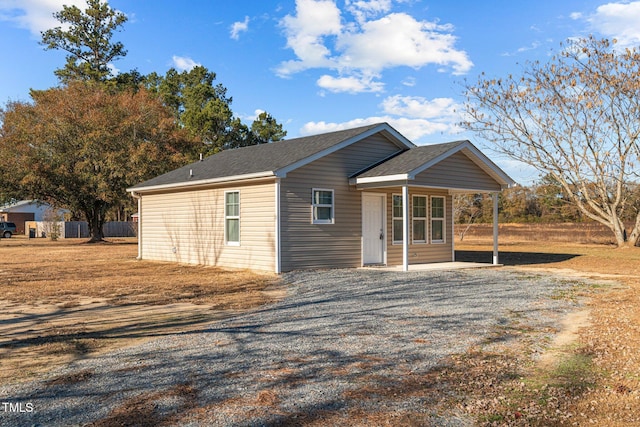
{"x": 78, "y": 229}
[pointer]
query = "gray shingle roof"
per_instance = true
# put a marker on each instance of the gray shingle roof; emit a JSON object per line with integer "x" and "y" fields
{"x": 255, "y": 159}
{"x": 409, "y": 160}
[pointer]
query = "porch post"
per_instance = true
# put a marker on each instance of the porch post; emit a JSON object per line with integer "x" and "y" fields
{"x": 495, "y": 228}
{"x": 405, "y": 228}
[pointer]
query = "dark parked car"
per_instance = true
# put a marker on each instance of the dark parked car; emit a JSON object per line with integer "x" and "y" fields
{"x": 7, "y": 229}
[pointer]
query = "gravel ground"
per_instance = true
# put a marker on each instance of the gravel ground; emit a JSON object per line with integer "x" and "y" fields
{"x": 309, "y": 357}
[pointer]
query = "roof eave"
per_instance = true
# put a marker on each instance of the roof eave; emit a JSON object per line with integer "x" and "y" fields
{"x": 202, "y": 182}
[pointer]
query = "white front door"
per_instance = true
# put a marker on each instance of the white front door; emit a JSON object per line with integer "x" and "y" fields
{"x": 373, "y": 230}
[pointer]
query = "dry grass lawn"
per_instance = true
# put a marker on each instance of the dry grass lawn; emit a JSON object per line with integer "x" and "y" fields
{"x": 63, "y": 300}
{"x": 592, "y": 377}
{"x": 68, "y": 299}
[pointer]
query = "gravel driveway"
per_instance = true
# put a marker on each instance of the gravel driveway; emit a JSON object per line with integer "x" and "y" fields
{"x": 319, "y": 354}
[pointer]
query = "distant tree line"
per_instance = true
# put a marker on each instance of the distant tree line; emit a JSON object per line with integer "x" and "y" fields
{"x": 545, "y": 201}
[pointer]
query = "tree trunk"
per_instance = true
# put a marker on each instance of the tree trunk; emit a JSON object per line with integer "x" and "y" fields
{"x": 618, "y": 231}
{"x": 634, "y": 236}
{"x": 95, "y": 231}
{"x": 95, "y": 219}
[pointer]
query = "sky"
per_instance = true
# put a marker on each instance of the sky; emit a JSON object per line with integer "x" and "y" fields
{"x": 325, "y": 65}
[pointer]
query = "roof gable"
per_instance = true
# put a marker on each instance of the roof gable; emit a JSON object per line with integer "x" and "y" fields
{"x": 272, "y": 159}
{"x": 408, "y": 164}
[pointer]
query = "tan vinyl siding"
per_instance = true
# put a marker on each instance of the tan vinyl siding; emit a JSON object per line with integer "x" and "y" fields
{"x": 457, "y": 172}
{"x": 420, "y": 253}
{"x": 188, "y": 227}
{"x": 337, "y": 245}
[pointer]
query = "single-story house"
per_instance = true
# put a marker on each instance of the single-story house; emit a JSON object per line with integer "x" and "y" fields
{"x": 22, "y": 211}
{"x": 356, "y": 197}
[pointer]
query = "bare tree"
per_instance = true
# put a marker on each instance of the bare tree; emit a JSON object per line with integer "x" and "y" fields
{"x": 575, "y": 118}
{"x": 466, "y": 209}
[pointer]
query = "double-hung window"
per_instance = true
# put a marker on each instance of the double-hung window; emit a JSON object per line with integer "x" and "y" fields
{"x": 232, "y": 218}
{"x": 322, "y": 206}
{"x": 419, "y": 219}
{"x": 437, "y": 219}
{"x": 397, "y": 219}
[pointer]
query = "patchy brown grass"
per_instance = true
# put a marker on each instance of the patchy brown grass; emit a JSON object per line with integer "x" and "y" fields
{"x": 561, "y": 232}
{"x": 68, "y": 299}
{"x": 592, "y": 380}
{"x": 50, "y": 292}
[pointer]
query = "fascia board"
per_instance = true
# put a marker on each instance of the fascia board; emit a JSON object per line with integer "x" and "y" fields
{"x": 201, "y": 182}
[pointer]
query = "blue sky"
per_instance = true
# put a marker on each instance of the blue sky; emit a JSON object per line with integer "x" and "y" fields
{"x": 324, "y": 65}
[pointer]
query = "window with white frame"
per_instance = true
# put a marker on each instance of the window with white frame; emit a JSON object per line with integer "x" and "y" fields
{"x": 396, "y": 222}
{"x": 437, "y": 219}
{"x": 322, "y": 206}
{"x": 232, "y": 218}
{"x": 419, "y": 219}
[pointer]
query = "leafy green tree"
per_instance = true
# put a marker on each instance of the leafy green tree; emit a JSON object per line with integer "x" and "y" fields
{"x": 80, "y": 146}
{"x": 266, "y": 129}
{"x": 574, "y": 118}
{"x": 87, "y": 41}
{"x": 203, "y": 108}
{"x": 199, "y": 105}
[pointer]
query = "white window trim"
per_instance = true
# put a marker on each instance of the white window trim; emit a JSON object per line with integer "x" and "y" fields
{"x": 395, "y": 218}
{"x": 226, "y": 242}
{"x": 332, "y": 206}
{"x": 420, "y": 218}
{"x": 443, "y": 219}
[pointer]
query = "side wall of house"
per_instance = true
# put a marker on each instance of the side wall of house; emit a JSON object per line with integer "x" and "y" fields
{"x": 337, "y": 245}
{"x": 188, "y": 227}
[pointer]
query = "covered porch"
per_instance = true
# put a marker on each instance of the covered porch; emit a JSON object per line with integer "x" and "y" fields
{"x": 416, "y": 228}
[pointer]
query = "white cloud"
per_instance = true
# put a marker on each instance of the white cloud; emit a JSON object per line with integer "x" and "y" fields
{"x": 414, "y": 117}
{"x": 362, "y": 9}
{"x": 183, "y": 63}
{"x": 113, "y": 69}
{"x": 399, "y": 40}
{"x": 617, "y": 20}
{"x": 409, "y": 81}
{"x": 35, "y": 15}
{"x": 536, "y": 44}
{"x": 413, "y": 129}
{"x": 442, "y": 109}
{"x": 239, "y": 27}
{"x": 351, "y": 84}
{"x": 305, "y": 33}
{"x": 321, "y": 37}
